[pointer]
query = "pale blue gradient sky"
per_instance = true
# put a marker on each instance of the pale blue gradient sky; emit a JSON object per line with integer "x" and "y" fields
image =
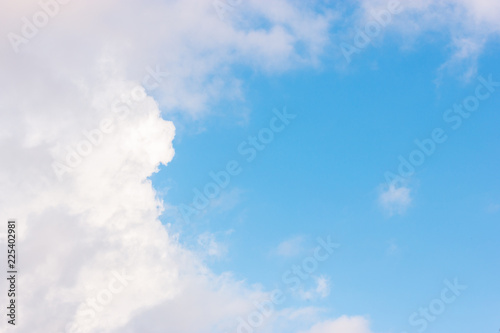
{"x": 322, "y": 176}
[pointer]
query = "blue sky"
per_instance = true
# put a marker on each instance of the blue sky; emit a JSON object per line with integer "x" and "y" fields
{"x": 322, "y": 176}
{"x": 249, "y": 166}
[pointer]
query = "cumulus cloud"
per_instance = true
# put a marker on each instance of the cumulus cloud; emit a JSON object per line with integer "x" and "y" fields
{"x": 94, "y": 251}
{"x": 185, "y": 38}
{"x": 83, "y": 128}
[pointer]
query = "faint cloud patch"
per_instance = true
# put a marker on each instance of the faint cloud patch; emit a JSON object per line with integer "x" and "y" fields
{"x": 395, "y": 200}
{"x": 493, "y": 208}
{"x": 290, "y": 247}
{"x": 210, "y": 246}
{"x": 343, "y": 324}
{"x": 393, "y": 249}
{"x": 321, "y": 289}
{"x": 227, "y": 200}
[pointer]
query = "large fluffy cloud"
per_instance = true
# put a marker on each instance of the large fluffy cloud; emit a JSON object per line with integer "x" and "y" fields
{"x": 81, "y": 132}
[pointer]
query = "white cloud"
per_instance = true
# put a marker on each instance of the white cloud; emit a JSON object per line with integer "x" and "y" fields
{"x": 468, "y": 24}
{"x": 464, "y": 16}
{"x": 103, "y": 217}
{"x": 394, "y": 199}
{"x": 185, "y": 38}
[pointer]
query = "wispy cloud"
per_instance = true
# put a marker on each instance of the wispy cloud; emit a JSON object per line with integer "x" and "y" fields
{"x": 343, "y": 324}
{"x": 211, "y": 246}
{"x": 467, "y": 24}
{"x": 321, "y": 289}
